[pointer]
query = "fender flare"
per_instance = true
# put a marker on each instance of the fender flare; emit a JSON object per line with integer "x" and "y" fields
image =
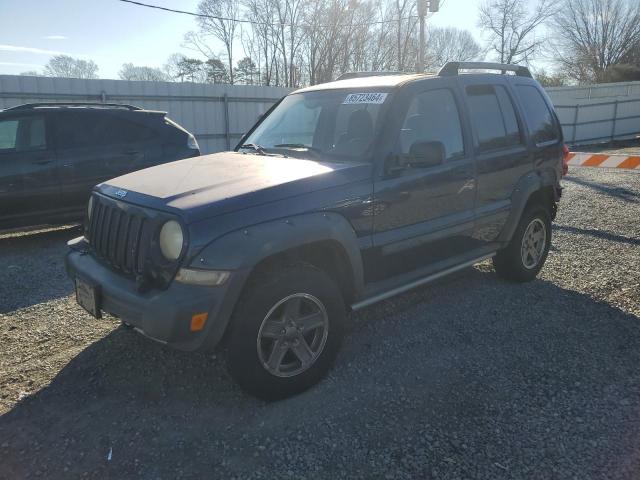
{"x": 526, "y": 186}
{"x": 240, "y": 250}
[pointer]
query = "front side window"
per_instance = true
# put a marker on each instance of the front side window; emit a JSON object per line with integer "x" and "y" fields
{"x": 334, "y": 123}
{"x": 493, "y": 117}
{"x": 433, "y": 117}
{"x": 539, "y": 117}
{"x": 23, "y": 134}
{"x": 8, "y": 134}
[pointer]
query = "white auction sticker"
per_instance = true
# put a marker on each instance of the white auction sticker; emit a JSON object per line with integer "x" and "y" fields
{"x": 365, "y": 98}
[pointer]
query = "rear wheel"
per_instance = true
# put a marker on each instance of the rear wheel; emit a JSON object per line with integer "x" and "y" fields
{"x": 286, "y": 332}
{"x": 523, "y": 258}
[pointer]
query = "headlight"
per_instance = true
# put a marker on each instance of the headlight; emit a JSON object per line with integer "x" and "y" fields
{"x": 89, "y": 207}
{"x": 171, "y": 239}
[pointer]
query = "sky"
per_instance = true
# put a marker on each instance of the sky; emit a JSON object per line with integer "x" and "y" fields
{"x": 111, "y": 32}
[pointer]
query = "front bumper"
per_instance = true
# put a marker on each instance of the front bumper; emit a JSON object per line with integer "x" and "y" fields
{"x": 163, "y": 315}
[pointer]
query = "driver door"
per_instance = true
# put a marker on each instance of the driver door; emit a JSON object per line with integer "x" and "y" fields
{"x": 425, "y": 212}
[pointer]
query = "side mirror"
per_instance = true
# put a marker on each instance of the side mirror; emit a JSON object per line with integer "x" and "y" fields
{"x": 427, "y": 154}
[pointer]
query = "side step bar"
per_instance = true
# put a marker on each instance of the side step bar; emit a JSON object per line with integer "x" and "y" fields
{"x": 416, "y": 283}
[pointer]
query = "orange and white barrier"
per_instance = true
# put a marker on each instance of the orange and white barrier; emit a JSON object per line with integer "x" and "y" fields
{"x": 603, "y": 160}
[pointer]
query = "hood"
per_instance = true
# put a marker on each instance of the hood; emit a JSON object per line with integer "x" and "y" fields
{"x": 200, "y": 187}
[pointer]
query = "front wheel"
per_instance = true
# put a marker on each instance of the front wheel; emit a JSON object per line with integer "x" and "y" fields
{"x": 523, "y": 258}
{"x": 286, "y": 332}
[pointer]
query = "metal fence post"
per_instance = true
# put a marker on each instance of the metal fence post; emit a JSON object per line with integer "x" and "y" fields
{"x": 575, "y": 123}
{"x": 227, "y": 133}
{"x": 613, "y": 123}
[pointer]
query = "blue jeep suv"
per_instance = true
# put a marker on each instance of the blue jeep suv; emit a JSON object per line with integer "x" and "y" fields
{"x": 342, "y": 195}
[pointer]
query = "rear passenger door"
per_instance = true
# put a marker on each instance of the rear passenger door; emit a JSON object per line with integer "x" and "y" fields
{"x": 92, "y": 147}
{"x": 28, "y": 175}
{"x": 501, "y": 152}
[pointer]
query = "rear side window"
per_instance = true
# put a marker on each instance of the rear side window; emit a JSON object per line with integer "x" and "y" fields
{"x": 433, "y": 117}
{"x": 23, "y": 134}
{"x": 89, "y": 129}
{"x": 539, "y": 117}
{"x": 493, "y": 117}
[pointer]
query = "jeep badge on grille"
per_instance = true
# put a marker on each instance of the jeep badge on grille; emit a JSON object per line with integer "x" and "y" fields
{"x": 121, "y": 193}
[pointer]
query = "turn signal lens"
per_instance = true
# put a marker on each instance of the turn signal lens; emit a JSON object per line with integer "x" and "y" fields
{"x": 198, "y": 321}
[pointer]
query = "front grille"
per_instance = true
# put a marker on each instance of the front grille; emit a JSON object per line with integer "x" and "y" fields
{"x": 118, "y": 237}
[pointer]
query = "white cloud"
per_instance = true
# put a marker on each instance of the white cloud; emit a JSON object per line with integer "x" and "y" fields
{"x": 54, "y": 37}
{"x": 37, "y": 51}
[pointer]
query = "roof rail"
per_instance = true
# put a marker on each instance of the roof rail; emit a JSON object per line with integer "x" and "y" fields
{"x": 32, "y": 106}
{"x": 348, "y": 75}
{"x": 453, "y": 68}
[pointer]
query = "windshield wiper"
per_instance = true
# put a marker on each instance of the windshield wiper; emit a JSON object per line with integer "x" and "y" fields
{"x": 297, "y": 145}
{"x": 254, "y": 146}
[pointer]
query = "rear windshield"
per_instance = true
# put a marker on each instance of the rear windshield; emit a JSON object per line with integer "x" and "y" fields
{"x": 335, "y": 123}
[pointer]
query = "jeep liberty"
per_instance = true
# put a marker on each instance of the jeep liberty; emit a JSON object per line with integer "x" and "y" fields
{"x": 342, "y": 195}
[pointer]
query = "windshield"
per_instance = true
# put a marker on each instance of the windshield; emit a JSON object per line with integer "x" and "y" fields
{"x": 334, "y": 123}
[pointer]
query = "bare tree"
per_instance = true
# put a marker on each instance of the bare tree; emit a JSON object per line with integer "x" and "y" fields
{"x": 512, "y": 28}
{"x": 553, "y": 79}
{"x": 129, "y": 71}
{"x": 220, "y": 22}
{"x": 69, "y": 67}
{"x": 593, "y": 35}
{"x": 449, "y": 45}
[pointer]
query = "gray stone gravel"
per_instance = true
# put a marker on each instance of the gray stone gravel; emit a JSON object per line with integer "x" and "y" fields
{"x": 470, "y": 378}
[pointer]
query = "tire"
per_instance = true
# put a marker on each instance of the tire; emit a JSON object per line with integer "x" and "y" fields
{"x": 274, "y": 316}
{"x": 510, "y": 263}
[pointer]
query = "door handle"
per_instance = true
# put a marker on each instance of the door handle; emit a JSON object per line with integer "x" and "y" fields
{"x": 43, "y": 161}
{"x": 131, "y": 152}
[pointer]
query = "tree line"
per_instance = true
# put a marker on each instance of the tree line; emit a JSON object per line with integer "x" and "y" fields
{"x": 293, "y": 43}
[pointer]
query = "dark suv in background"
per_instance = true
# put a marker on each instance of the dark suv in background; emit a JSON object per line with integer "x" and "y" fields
{"x": 53, "y": 154}
{"x": 343, "y": 195}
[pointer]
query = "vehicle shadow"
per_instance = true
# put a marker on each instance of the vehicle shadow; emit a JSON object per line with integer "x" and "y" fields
{"x": 472, "y": 354}
{"x": 613, "y": 191}
{"x": 32, "y": 267}
{"x": 613, "y": 237}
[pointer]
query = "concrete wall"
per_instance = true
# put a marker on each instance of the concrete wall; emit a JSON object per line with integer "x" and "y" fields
{"x": 200, "y": 108}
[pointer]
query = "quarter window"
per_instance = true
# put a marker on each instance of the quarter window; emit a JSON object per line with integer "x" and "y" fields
{"x": 433, "y": 117}
{"x": 539, "y": 117}
{"x": 493, "y": 117}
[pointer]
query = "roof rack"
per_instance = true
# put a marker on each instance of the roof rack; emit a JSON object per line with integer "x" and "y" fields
{"x": 453, "y": 68}
{"x": 348, "y": 75}
{"x": 33, "y": 106}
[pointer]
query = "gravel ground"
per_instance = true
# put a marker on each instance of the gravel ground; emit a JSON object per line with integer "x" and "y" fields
{"x": 470, "y": 378}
